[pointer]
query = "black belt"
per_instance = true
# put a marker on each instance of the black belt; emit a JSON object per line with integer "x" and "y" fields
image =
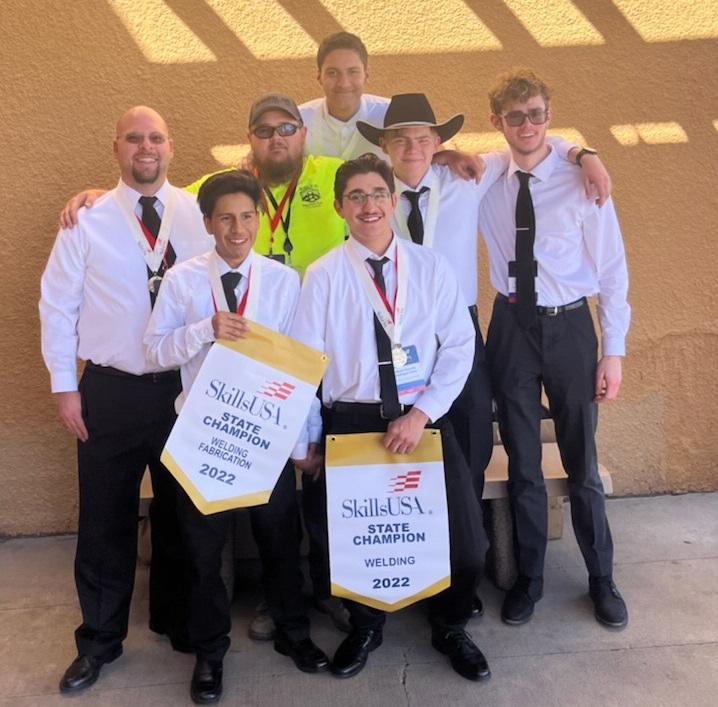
{"x": 549, "y": 311}
{"x": 374, "y": 410}
{"x": 159, "y": 377}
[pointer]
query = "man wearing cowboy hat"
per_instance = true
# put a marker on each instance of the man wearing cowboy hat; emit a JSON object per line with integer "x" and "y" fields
{"x": 441, "y": 211}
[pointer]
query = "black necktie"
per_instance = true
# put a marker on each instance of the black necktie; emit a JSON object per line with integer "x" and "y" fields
{"x": 525, "y": 264}
{"x": 387, "y": 382}
{"x": 230, "y": 280}
{"x": 415, "y": 222}
{"x": 151, "y": 220}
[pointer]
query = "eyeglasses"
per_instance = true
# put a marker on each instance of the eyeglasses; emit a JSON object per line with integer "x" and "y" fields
{"x": 536, "y": 116}
{"x": 264, "y": 132}
{"x": 359, "y": 197}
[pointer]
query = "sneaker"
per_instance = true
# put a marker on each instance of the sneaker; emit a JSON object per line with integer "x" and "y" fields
{"x": 609, "y": 607}
{"x": 262, "y": 628}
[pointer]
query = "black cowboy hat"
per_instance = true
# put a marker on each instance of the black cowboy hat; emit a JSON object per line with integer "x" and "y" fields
{"x": 408, "y": 110}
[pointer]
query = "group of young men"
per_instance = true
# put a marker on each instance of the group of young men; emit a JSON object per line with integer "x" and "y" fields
{"x": 348, "y": 192}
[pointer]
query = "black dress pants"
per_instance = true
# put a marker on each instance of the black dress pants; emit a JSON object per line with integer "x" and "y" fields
{"x": 468, "y": 542}
{"x": 275, "y": 526}
{"x": 128, "y": 419}
{"x": 471, "y": 415}
{"x": 559, "y": 352}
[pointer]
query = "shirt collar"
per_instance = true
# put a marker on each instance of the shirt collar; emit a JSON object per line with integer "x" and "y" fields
{"x": 364, "y": 253}
{"x": 243, "y": 269}
{"x": 542, "y": 171}
{"x": 426, "y": 180}
{"x": 162, "y": 193}
{"x": 341, "y": 125}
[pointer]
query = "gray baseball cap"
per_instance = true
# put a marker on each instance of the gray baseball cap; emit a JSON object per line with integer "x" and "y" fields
{"x": 273, "y": 101}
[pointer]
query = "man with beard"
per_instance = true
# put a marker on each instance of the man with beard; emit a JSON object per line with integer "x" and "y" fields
{"x": 299, "y": 223}
{"x": 98, "y": 289}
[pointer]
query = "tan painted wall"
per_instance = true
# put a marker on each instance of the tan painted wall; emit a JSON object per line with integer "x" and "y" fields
{"x": 70, "y": 68}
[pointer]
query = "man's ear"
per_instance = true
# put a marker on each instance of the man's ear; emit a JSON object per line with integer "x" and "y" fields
{"x": 497, "y": 122}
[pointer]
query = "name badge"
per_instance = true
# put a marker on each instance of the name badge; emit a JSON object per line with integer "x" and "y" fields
{"x": 409, "y": 376}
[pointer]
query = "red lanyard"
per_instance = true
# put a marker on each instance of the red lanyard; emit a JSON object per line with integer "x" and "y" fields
{"x": 152, "y": 240}
{"x": 389, "y": 307}
{"x": 279, "y": 208}
{"x": 243, "y": 303}
{"x": 148, "y": 234}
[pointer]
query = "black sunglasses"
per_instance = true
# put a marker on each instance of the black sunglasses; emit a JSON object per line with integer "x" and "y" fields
{"x": 264, "y": 132}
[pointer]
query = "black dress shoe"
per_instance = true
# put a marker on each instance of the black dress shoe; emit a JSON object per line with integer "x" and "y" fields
{"x": 354, "y": 650}
{"x": 82, "y": 673}
{"x": 609, "y": 607}
{"x": 206, "y": 686}
{"x": 306, "y": 656}
{"x": 466, "y": 659}
{"x": 518, "y": 606}
{"x": 477, "y": 606}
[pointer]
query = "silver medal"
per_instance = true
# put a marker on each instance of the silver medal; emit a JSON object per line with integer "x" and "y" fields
{"x": 399, "y": 357}
{"x": 153, "y": 284}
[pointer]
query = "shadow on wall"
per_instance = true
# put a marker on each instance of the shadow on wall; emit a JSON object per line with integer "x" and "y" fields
{"x": 633, "y": 78}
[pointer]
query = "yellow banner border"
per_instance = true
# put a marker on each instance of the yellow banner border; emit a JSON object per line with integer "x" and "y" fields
{"x": 430, "y": 591}
{"x": 208, "y": 507}
{"x": 282, "y": 352}
{"x": 368, "y": 448}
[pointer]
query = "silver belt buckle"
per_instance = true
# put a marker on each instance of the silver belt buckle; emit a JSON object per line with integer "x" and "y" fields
{"x": 552, "y": 311}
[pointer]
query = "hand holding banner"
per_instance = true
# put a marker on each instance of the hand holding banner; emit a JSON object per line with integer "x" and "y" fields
{"x": 388, "y": 520}
{"x": 242, "y": 418}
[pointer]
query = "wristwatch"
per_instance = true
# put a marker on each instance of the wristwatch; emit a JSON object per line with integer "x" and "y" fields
{"x": 584, "y": 151}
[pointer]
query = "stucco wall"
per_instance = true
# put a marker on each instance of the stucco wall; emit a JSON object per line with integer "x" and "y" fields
{"x": 70, "y": 69}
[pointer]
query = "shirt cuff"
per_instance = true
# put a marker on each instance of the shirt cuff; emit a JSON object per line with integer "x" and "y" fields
{"x": 613, "y": 346}
{"x": 65, "y": 382}
{"x": 432, "y": 411}
{"x": 301, "y": 449}
{"x": 203, "y": 331}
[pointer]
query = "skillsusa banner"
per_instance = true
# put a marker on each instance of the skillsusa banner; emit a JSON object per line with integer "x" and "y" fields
{"x": 388, "y": 520}
{"x": 242, "y": 418}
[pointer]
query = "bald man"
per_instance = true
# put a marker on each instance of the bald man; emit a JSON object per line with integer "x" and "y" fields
{"x": 98, "y": 290}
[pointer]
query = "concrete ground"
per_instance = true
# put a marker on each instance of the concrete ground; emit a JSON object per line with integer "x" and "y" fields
{"x": 666, "y": 568}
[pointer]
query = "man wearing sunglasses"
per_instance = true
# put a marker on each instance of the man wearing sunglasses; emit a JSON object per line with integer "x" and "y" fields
{"x": 439, "y": 210}
{"x": 299, "y": 222}
{"x": 549, "y": 250}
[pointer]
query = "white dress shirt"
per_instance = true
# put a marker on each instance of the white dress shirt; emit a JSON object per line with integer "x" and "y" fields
{"x": 336, "y": 138}
{"x": 335, "y": 316}
{"x": 578, "y": 247}
{"x": 94, "y": 298}
{"x": 180, "y": 332}
{"x": 457, "y": 225}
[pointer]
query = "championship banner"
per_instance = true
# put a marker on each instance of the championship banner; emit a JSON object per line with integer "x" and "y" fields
{"x": 242, "y": 418}
{"x": 388, "y": 520}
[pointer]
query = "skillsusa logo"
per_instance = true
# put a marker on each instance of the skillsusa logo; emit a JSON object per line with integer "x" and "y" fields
{"x": 276, "y": 389}
{"x": 405, "y": 482}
